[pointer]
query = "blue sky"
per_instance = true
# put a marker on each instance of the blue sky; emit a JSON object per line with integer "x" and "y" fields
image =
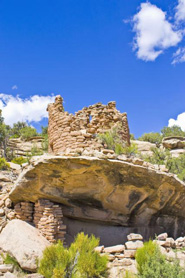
{"x": 83, "y": 50}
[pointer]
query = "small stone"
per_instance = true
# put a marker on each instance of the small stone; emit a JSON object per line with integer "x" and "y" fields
{"x": 11, "y": 215}
{"x": 8, "y": 203}
{"x": 2, "y": 212}
{"x": 170, "y": 242}
{"x": 180, "y": 239}
{"x": 110, "y": 256}
{"x": 9, "y": 275}
{"x": 99, "y": 249}
{"x": 6, "y": 267}
{"x": 120, "y": 256}
{"x": 115, "y": 249}
{"x": 130, "y": 253}
{"x": 133, "y": 236}
{"x": 162, "y": 236}
{"x": 133, "y": 245}
{"x": 126, "y": 262}
{"x": 1, "y": 203}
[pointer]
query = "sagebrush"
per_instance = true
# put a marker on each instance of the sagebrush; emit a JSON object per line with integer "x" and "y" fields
{"x": 79, "y": 260}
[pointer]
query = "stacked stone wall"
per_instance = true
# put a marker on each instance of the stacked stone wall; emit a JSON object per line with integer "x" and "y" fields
{"x": 44, "y": 215}
{"x": 48, "y": 219}
{"x": 24, "y": 211}
{"x": 68, "y": 132}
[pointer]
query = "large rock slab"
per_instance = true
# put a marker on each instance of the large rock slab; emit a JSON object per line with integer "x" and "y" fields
{"x": 108, "y": 191}
{"x": 24, "y": 243}
{"x": 174, "y": 142}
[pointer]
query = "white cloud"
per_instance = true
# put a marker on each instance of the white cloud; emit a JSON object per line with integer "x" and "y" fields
{"x": 179, "y": 56}
{"x": 154, "y": 33}
{"x": 180, "y": 121}
{"x": 32, "y": 109}
{"x": 180, "y": 11}
{"x": 14, "y": 87}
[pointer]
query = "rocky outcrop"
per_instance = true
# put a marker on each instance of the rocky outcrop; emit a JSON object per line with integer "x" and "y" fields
{"x": 109, "y": 194}
{"x": 144, "y": 148}
{"x": 174, "y": 142}
{"x": 24, "y": 243}
{"x": 23, "y": 148}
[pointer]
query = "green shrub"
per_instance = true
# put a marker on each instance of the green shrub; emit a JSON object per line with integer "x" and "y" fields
{"x": 44, "y": 130}
{"x": 172, "y": 131}
{"x": 176, "y": 165}
{"x": 55, "y": 261}
{"x": 112, "y": 140}
{"x": 129, "y": 274}
{"x": 16, "y": 129}
{"x": 10, "y": 260}
{"x": 45, "y": 143}
{"x": 79, "y": 260}
{"x": 19, "y": 160}
{"x": 130, "y": 150}
{"x": 144, "y": 253}
{"x": 152, "y": 264}
{"x": 132, "y": 137}
{"x": 152, "y": 137}
{"x": 36, "y": 151}
{"x": 158, "y": 157}
{"x": 4, "y": 165}
{"x": 28, "y": 132}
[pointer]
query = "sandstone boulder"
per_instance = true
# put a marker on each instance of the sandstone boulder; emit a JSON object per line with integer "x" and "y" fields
{"x": 162, "y": 236}
{"x": 144, "y": 147}
{"x": 133, "y": 236}
{"x": 133, "y": 245}
{"x": 177, "y": 152}
{"x": 115, "y": 249}
{"x": 174, "y": 142}
{"x": 24, "y": 243}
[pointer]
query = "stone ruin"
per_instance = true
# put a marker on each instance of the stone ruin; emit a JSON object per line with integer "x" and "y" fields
{"x": 45, "y": 215}
{"x": 70, "y": 133}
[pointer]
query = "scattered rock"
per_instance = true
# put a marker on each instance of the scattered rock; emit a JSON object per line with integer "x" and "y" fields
{"x": 133, "y": 236}
{"x": 2, "y": 212}
{"x": 8, "y": 203}
{"x": 6, "y": 267}
{"x": 129, "y": 253}
{"x": 99, "y": 248}
{"x": 133, "y": 245}
{"x": 24, "y": 243}
{"x": 162, "y": 236}
{"x": 114, "y": 249}
{"x": 169, "y": 242}
{"x": 9, "y": 275}
{"x": 126, "y": 262}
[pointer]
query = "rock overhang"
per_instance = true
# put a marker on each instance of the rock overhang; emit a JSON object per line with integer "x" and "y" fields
{"x": 109, "y": 191}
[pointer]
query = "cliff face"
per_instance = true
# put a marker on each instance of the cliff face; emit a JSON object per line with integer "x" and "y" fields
{"x": 106, "y": 195}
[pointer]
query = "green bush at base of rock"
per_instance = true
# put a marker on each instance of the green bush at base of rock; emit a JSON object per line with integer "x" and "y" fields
{"x": 79, "y": 260}
{"x": 4, "y": 165}
{"x": 158, "y": 156}
{"x": 152, "y": 264}
{"x": 152, "y": 137}
{"x": 19, "y": 160}
{"x": 176, "y": 165}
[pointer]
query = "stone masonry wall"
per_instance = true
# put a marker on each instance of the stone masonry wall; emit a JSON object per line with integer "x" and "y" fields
{"x": 46, "y": 216}
{"x": 70, "y": 133}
